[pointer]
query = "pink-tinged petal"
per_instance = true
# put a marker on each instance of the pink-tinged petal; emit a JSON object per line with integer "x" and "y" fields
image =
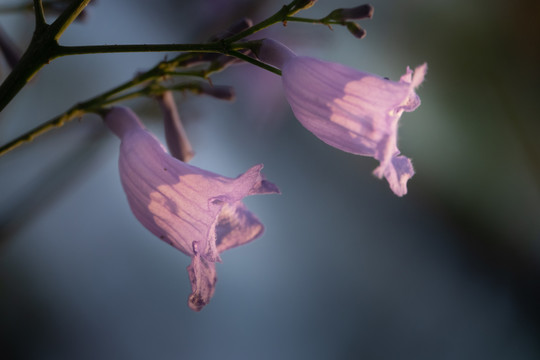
{"x": 397, "y": 174}
{"x": 197, "y": 211}
{"x": 351, "y": 110}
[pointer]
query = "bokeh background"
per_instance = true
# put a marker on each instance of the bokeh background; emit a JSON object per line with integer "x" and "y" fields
{"x": 345, "y": 269}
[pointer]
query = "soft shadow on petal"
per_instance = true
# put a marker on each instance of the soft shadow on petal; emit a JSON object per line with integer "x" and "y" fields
{"x": 236, "y": 226}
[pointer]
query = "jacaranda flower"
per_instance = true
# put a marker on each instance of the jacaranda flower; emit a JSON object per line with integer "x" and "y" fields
{"x": 198, "y": 212}
{"x": 351, "y": 110}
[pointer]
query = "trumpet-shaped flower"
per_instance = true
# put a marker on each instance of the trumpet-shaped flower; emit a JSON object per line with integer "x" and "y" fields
{"x": 351, "y": 110}
{"x": 196, "y": 211}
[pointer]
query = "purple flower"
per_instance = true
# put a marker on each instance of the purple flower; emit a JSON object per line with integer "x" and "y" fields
{"x": 198, "y": 212}
{"x": 351, "y": 110}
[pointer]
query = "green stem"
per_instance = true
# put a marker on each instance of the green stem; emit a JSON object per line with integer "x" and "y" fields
{"x": 309, "y": 21}
{"x": 198, "y": 73}
{"x": 123, "y": 97}
{"x": 42, "y": 49}
{"x": 90, "y": 105}
{"x": 34, "y": 58}
{"x": 94, "y": 104}
{"x": 279, "y": 16}
{"x": 67, "y": 17}
{"x": 107, "y": 49}
{"x": 208, "y": 48}
{"x": 215, "y": 47}
{"x": 253, "y": 61}
{"x": 40, "y": 16}
{"x": 40, "y": 130}
{"x": 77, "y": 111}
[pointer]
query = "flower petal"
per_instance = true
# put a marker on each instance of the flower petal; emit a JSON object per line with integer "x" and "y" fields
{"x": 202, "y": 275}
{"x": 342, "y": 106}
{"x": 236, "y": 226}
{"x": 397, "y": 173}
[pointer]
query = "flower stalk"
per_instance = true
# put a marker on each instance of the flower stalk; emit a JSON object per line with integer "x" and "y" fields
{"x": 44, "y": 47}
{"x": 40, "y": 15}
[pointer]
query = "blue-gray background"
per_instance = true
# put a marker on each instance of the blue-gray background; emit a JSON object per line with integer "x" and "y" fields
{"x": 345, "y": 269}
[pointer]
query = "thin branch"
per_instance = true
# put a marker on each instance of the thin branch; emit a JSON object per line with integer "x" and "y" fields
{"x": 34, "y": 58}
{"x": 67, "y": 17}
{"x": 41, "y": 23}
{"x": 43, "y": 128}
{"x": 309, "y": 21}
{"x": 246, "y": 58}
{"x": 279, "y": 16}
{"x": 107, "y": 49}
{"x": 322, "y": 21}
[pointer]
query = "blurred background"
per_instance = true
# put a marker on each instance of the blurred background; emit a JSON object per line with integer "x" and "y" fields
{"x": 345, "y": 269}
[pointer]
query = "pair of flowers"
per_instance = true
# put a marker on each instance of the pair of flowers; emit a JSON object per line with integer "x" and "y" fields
{"x": 201, "y": 213}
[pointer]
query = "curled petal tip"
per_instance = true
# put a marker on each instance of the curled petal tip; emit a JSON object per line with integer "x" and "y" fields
{"x": 397, "y": 173}
{"x": 196, "y": 303}
{"x": 419, "y": 75}
{"x": 259, "y": 184}
{"x": 202, "y": 275}
{"x": 268, "y": 187}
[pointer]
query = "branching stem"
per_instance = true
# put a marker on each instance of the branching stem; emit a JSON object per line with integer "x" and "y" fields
{"x": 44, "y": 48}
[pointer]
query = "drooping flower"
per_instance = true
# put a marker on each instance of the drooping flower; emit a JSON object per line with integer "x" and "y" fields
{"x": 198, "y": 212}
{"x": 354, "y": 111}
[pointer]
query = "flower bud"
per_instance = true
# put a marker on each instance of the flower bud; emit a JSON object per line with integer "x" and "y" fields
{"x": 355, "y": 29}
{"x": 301, "y": 5}
{"x": 355, "y": 13}
{"x": 177, "y": 139}
{"x": 217, "y": 91}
